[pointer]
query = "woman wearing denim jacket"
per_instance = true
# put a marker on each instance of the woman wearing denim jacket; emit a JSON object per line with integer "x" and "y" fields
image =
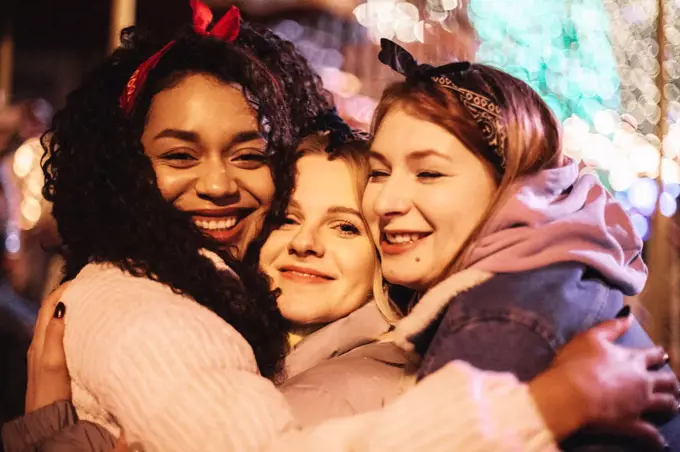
{"x": 508, "y": 249}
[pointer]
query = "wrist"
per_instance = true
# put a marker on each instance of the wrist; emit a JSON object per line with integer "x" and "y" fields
{"x": 559, "y": 403}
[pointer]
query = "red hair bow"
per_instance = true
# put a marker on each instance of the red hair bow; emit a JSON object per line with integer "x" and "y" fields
{"x": 226, "y": 29}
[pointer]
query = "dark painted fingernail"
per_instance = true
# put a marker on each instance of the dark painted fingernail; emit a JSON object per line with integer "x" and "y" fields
{"x": 60, "y": 310}
{"x": 624, "y": 312}
{"x": 666, "y": 358}
{"x": 666, "y": 447}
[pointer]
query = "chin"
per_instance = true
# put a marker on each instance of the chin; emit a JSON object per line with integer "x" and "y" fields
{"x": 413, "y": 282}
{"x": 400, "y": 278}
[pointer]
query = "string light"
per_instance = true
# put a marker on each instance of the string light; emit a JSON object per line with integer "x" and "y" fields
{"x": 595, "y": 63}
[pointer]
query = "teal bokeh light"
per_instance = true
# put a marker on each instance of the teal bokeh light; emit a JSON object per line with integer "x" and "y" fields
{"x": 561, "y": 48}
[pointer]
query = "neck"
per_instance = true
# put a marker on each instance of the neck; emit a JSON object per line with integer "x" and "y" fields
{"x": 299, "y": 332}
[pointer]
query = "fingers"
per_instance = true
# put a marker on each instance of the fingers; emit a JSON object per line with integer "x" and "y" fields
{"x": 54, "y": 297}
{"x": 35, "y": 350}
{"x": 655, "y": 357}
{"x": 663, "y": 404}
{"x": 53, "y": 357}
{"x": 48, "y": 377}
{"x": 46, "y": 312}
{"x": 121, "y": 444}
{"x": 639, "y": 434}
{"x": 666, "y": 382}
{"x": 646, "y": 435}
{"x": 611, "y": 330}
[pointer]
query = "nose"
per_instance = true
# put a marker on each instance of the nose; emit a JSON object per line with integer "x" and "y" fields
{"x": 216, "y": 183}
{"x": 392, "y": 199}
{"x": 306, "y": 242}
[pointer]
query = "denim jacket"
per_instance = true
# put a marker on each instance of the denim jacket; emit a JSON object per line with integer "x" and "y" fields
{"x": 517, "y": 321}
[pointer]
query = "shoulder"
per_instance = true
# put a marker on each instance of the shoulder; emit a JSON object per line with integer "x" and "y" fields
{"x": 112, "y": 313}
{"x": 558, "y": 300}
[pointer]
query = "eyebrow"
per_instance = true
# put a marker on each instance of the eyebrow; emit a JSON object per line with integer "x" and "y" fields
{"x": 377, "y": 155}
{"x": 347, "y": 210}
{"x": 246, "y": 136}
{"x": 413, "y": 155}
{"x": 193, "y": 137}
{"x": 184, "y": 135}
{"x": 332, "y": 210}
{"x": 423, "y": 153}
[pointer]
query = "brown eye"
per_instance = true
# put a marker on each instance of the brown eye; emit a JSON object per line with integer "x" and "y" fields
{"x": 251, "y": 160}
{"x": 179, "y": 159}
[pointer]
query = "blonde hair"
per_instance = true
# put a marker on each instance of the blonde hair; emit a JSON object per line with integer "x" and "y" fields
{"x": 354, "y": 154}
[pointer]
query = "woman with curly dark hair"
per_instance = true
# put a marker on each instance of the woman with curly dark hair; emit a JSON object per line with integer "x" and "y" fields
{"x": 158, "y": 169}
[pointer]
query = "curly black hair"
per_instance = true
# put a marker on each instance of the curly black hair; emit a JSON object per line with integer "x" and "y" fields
{"x": 104, "y": 192}
{"x": 307, "y": 100}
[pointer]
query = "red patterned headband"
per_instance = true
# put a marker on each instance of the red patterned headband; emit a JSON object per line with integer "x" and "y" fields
{"x": 226, "y": 29}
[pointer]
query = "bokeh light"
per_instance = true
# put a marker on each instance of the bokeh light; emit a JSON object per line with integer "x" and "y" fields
{"x": 595, "y": 63}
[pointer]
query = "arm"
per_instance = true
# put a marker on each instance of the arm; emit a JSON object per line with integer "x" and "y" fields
{"x": 477, "y": 403}
{"x": 518, "y": 341}
{"x": 216, "y": 408}
{"x": 514, "y": 343}
{"x": 458, "y": 408}
{"x": 36, "y": 426}
{"x": 51, "y": 422}
{"x": 178, "y": 378}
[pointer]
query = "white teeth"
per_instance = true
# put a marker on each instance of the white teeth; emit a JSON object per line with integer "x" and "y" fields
{"x": 402, "y": 238}
{"x": 214, "y": 225}
{"x": 305, "y": 274}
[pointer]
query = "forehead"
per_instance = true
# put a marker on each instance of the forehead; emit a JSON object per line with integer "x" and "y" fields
{"x": 401, "y": 133}
{"x": 201, "y": 102}
{"x": 322, "y": 183}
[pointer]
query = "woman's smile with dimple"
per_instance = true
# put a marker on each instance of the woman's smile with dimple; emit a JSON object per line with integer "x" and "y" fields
{"x": 214, "y": 170}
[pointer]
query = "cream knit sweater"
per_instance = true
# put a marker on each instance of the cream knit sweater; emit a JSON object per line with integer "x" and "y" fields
{"x": 176, "y": 377}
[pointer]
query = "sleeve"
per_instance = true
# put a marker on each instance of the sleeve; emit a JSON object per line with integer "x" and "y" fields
{"x": 513, "y": 341}
{"x": 175, "y": 380}
{"x": 218, "y": 409}
{"x": 34, "y": 427}
{"x": 458, "y": 408}
{"x": 80, "y": 437}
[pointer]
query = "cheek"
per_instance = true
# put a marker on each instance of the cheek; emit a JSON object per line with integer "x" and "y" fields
{"x": 369, "y": 214}
{"x": 272, "y": 248}
{"x": 173, "y": 183}
{"x": 358, "y": 263}
{"x": 458, "y": 216}
{"x": 259, "y": 184}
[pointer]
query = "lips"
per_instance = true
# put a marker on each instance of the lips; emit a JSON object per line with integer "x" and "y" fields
{"x": 398, "y": 242}
{"x": 304, "y": 274}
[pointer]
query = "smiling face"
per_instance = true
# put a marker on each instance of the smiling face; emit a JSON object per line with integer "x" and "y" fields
{"x": 322, "y": 258}
{"x": 426, "y": 195}
{"x": 209, "y": 158}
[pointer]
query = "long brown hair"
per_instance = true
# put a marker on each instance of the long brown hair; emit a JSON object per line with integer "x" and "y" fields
{"x": 533, "y": 140}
